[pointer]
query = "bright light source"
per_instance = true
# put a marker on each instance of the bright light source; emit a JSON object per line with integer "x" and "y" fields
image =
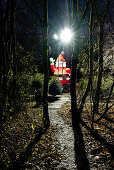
{"x": 66, "y": 35}
{"x": 55, "y": 36}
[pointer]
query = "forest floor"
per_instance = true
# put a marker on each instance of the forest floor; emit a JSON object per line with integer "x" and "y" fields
{"x": 55, "y": 150}
{"x": 97, "y": 153}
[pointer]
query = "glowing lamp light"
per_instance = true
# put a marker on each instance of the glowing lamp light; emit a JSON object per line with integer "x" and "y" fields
{"x": 66, "y": 35}
{"x": 55, "y": 36}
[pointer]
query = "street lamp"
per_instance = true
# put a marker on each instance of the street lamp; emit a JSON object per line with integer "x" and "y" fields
{"x": 65, "y": 37}
{"x": 55, "y": 36}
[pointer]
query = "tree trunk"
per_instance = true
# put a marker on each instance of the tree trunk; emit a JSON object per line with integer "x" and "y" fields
{"x": 75, "y": 116}
{"x": 79, "y": 146}
{"x": 13, "y": 5}
{"x": 100, "y": 71}
{"x": 91, "y": 45}
{"x": 45, "y": 61}
{"x": 3, "y": 58}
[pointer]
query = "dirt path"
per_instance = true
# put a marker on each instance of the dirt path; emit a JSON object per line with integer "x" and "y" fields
{"x": 64, "y": 139}
{"x": 64, "y": 134}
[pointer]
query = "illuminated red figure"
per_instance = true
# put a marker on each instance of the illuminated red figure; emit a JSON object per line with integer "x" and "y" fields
{"x": 60, "y": 69}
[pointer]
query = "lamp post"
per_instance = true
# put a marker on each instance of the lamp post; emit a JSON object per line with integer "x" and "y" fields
{"x": 64, "y": 37}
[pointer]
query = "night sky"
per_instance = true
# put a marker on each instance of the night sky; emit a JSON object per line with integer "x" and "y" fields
{"x": 58, "y": 20}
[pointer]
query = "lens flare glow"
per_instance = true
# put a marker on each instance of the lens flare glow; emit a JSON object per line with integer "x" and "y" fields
{"x": 66, "y": 35}
{"x": 55, "y": 36}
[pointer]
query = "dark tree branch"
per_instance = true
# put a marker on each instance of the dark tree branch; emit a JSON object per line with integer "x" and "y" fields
{"x": 8, "y": 8}
{"x": 36, "y": 12}
{"x": 107, "y": 108}
{"x": 83, "y": 17}
{"x": 85, "y": 96}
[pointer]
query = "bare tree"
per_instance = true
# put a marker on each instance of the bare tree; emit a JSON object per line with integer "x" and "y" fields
{"x": 45, "y": 65}
{"x": 7, "y": 48}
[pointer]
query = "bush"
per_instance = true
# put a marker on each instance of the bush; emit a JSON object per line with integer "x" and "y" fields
{"x": 22, "y": 91}
{"x": 106, "y": 86}
{"x": 36, "y": 86}
{"x": 55, "y": 87}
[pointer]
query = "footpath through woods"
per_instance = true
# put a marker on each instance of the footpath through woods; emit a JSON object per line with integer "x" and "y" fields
{"x": 97, "y": 154}
{"x": 21, "y": 146}
{"x": 64, "y": 137}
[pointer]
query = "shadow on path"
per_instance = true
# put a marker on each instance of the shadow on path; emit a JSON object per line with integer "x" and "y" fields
{"x": 24, "y": 155}
{"x": 99, "y": 138}
{"x": 53, "y": 98}
{"x": 79, "y": 148}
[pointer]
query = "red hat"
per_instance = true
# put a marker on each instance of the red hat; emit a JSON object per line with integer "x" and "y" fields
{"x": 61, "y": 58}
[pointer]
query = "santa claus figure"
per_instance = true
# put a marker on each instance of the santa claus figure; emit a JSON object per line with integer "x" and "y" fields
{"x": 59, "y": 69}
